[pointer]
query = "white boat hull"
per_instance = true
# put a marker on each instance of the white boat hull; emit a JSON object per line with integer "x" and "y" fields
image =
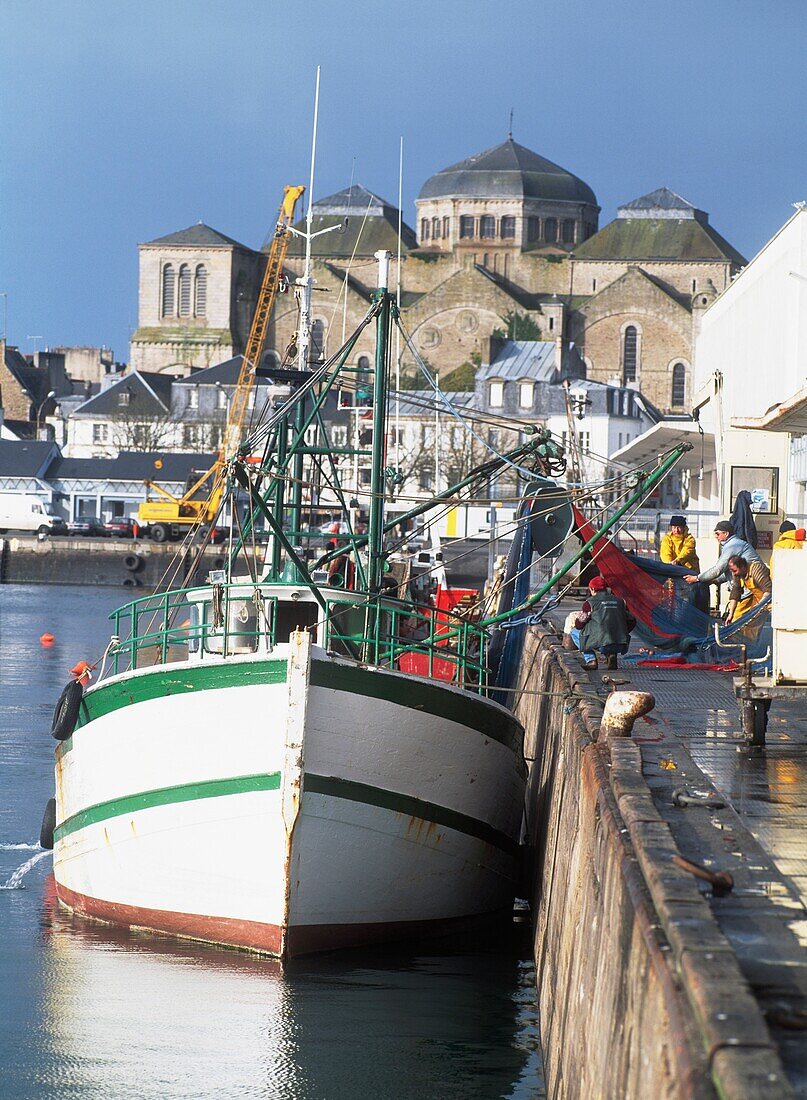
{"x": 287, "y": 805}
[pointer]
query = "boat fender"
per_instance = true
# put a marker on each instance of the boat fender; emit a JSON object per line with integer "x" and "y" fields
{"x": 132, "y": 562}
{"x": 48, "y": 824}
{"x": 65, "y": 715}
{"x": 131, "y": 582}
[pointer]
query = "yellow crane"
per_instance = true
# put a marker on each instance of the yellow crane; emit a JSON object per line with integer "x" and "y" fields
{"x": 170, "y": 515}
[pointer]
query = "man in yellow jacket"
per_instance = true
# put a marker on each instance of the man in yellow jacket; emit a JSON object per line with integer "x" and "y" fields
{"x": 789, "y": 537}
{"x": 678, "y": 545}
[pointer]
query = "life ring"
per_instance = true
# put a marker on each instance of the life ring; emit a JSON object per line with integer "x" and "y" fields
{"x": 48, "y": 825}
{"x": 132, "y": 562}
{"x": 65, "y": 715}
{"x": 131, "y": 582}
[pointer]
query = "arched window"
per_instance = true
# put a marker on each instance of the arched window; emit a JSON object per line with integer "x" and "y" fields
{"x": 446, "y": 226}
{"x": 466, "y": 225}
{"x": 550, "y": 229}
{"x": 185, "y": 291}
{"x": 508, "y": 228}
{"x": 487, "y": 227}
{"x": 629, "y": 354}
{"x": 679, "y": 385}
{"x": 424, "y": 229}
{"x": 436, "y": 228}
{"x": 169, "y": 285}
{"x": 363, "y": 363}
{"x": 200, "y": 292}
{"x": 317, "y": 341}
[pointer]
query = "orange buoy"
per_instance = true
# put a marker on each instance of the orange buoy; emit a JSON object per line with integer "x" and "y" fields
{"x": 46, "y": 639}
{"x": 82, "y": 671}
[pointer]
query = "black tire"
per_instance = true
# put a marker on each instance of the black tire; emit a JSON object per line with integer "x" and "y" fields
{"x": 65, "y": 715}
{"x": 159, "y": 532}
{"x": 131, "y": 582}
{"x": 48, "y": 825}
{"x": 43, "y": 529}
{"x": 132, "y": 562}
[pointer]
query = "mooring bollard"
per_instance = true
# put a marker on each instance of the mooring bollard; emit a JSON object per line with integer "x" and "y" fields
{"x": 622, "y": 708}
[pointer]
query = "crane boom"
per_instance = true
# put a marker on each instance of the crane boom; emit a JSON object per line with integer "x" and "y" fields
{"x": 260, "y": 323}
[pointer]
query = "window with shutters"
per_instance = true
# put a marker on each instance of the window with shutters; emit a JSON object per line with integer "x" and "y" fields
{"x": 487, "y": 227}
{"x": 200, "y": 292}
{"x": 508, "y": 228}
{"x": 185, "y": 291}
{"x": 679, "y": 386}
{"x": 169, "y": 291}
{"x": 630, "y": 343}
{"x": 466, "y": 226}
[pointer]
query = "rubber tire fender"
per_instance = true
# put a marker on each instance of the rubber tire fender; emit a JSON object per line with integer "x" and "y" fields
{"x": 48, "y": 825}
{"x": 131, "y": 582}
{"x": 132, "y": 562}
{"x": 65, "y": 714}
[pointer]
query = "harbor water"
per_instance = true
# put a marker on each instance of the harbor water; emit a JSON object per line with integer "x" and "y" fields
{"x": 90, "y": 1011}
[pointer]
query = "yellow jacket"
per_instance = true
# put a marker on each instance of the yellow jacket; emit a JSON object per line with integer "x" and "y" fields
{"x": 680, "y": 550}
{"x": 788, "y": 541}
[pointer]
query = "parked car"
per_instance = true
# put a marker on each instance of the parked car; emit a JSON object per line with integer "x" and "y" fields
{"x": 120, "y": 528}
{"x": 87, "y": 526}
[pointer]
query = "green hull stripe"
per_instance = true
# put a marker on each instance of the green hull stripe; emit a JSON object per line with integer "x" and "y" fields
{"x": 410, "y": 807}
{"x": 423, "y": 695}
{"x": 166, "y": 796}
{"x": 167, "y": 681}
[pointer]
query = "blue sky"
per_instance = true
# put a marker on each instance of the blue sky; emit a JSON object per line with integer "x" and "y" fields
{"x": 123, "y": 121}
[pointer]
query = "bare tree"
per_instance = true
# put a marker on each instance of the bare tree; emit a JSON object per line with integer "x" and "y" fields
{"x": 131, "y": 432}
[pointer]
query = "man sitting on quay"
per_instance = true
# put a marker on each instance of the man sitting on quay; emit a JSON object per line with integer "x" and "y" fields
{"x": 752, "y": 576}
{"x": 605, "y": 624}
{"x": 678, "y": 545}
{"x": 730, "y": 545}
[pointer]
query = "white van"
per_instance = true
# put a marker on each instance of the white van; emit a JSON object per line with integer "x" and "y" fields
{"x": 23, "y": 513}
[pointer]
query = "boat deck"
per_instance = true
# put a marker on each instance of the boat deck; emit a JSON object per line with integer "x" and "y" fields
{"x": 693, "y": 739}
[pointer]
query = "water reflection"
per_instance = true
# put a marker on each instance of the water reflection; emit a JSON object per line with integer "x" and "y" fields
{"x": 129, "y": 1015}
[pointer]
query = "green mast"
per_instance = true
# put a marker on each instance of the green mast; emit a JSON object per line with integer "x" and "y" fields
{"x": 380, "y": 385}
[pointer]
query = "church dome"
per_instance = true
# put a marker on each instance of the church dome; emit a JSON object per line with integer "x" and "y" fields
{"x": 507, "y": 171}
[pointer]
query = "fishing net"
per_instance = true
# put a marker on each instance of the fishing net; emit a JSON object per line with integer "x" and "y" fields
{"x": 670, "y": 614}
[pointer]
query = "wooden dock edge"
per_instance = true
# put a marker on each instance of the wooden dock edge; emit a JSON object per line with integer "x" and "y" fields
{"x": 640, "y": 992}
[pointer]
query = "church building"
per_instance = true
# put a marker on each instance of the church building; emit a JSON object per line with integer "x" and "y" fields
{"x": 506, "y": 243}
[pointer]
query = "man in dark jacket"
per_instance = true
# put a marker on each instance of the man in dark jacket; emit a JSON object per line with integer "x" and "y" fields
{"x": 605, "y": 624}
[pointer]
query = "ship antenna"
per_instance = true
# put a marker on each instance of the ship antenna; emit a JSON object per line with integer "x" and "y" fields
{"x": 398, "y": 304}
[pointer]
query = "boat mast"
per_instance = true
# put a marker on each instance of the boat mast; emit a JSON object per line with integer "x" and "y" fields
{"x": 380, "y": 384}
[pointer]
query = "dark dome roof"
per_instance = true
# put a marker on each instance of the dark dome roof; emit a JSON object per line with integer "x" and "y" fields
{"x": 507, "y": 171}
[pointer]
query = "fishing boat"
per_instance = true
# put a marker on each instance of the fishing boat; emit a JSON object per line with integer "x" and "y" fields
{"x": 298, "y": 756}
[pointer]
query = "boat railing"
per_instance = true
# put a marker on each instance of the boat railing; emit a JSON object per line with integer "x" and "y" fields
{"x": 422, "y": 640}
{"x": 230, "y": 619}
{"x": 171, "y": 626}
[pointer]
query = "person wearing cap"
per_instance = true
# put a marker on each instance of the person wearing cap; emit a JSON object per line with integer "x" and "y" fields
{"x": 729, "y": 544}
{"x": 605, "y": 624}
{"x": 678, "y": 545}
{"x": 790, "y": 538}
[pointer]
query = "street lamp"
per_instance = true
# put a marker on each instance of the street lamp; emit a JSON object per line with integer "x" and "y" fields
{"x": 42, "y": 404}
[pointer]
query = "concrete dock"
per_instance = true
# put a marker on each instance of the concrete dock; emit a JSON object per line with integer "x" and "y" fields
{"x": 672, "y": 987}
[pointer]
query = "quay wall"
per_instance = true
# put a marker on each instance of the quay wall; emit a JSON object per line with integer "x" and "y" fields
{"x": 640, "y": 993}
{"x": 127, "y": 563}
